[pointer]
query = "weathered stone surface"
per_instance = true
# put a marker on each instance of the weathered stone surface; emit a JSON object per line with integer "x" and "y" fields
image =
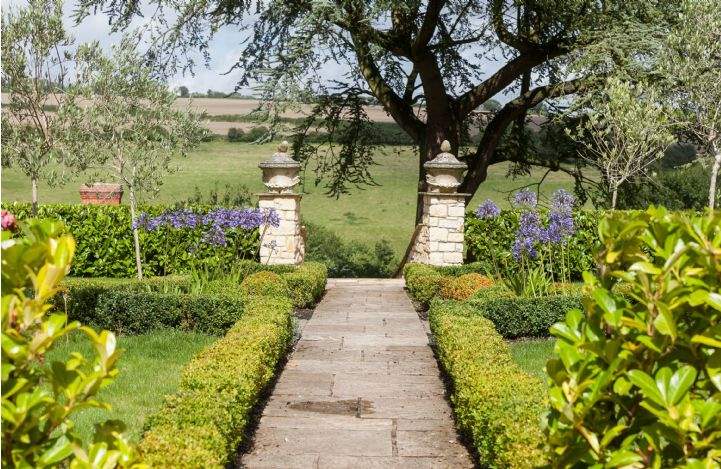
{"x": 361, "y": 389}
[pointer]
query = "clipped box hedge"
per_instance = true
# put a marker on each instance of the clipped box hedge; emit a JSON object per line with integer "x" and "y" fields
{"x": 425, "y": 282}
{"x": 204, "y": 422}
{"x": 497, "y": 405}
{"x": 515, "y": 317}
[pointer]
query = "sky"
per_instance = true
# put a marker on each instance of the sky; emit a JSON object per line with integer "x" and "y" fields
{"x": 225, "y": 49}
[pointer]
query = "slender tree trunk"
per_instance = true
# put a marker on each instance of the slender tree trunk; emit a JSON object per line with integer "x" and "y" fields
{"x": 614, "y": 196}
{"x": 136, "y": 239}
{"x": 34, "y": 185}
{"x": 714, "y": 175}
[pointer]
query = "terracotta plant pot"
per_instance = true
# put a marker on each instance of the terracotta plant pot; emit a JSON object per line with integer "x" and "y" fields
{"x": 101, "y": 193}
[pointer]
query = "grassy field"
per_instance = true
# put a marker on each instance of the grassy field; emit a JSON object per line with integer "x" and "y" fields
{"x": 531, "y": 355}
{"x": 149, "y": 370}
{"x": 367, "y": 214}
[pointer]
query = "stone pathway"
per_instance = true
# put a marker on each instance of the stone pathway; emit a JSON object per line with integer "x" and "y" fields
{"x": 361, "y": 389}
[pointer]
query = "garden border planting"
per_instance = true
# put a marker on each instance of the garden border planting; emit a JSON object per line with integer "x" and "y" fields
{"x": 203, "y": 424}
{"x": 496, "y": 404}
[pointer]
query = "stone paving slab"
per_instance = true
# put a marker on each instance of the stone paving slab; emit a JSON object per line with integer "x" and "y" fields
{"x": 361, "y": 389}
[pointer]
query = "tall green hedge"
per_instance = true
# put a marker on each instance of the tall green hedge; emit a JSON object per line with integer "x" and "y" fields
{"x": 497, "y": 405}
{"x": 105, "y": 242}
{"x": 486, "y": 238}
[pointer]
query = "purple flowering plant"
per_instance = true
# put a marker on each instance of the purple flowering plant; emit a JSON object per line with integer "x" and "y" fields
{"x": 537, "y": 246}
{"x": 488, "y": 209}
{"x": 214, "y": 224}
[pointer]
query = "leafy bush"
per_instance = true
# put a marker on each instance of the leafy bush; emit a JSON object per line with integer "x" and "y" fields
{"x": 423, "y": 282}
{"x": 264, "y": 283}
{"x": 306, "y": 284}
{"x": 516, "y": 317}
{"x": 135, "y": 312}
{"x": 680, "y": 188}
{"x": 637, "y": 382}
{"x": 105, "y": 241}
{"x": 349, "y": 258}
{"x": 496, "y": 404}
{"x": 202, "y": 425}
{"x": 38, "y": 398}
{"x": 463, "y": 287}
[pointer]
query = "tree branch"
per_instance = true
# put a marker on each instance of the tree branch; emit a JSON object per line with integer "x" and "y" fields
{"x": 401, "y": 112}
{"x": 430, "y": 20}
{"x": 485, "y": 153}
{"x": 506, "y": 75}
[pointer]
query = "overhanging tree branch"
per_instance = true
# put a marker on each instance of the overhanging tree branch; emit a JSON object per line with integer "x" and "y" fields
{"x": 484, "y": 156}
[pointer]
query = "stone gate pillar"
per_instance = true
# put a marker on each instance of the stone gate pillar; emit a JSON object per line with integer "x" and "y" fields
{"x": 440, "y": 238}
{"x": 284, "y": 244}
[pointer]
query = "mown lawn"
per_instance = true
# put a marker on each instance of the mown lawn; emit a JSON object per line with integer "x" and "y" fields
{"x": 366, "y": 214}
{"x": 149, "y": 370}
{"x": 532, "y": 354}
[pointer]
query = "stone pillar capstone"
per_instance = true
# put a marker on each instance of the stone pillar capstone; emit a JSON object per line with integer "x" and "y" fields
{"x": 440, "y": 239}
{"x": 285, "y": 243}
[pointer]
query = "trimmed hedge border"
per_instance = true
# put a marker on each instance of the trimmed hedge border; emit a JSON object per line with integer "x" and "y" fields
{"x": 496, "y": 404}
{"x": 133, "y": 306}
{"x": 204, "y": 422}
{"x": 515, "y": 317}
{"x": 425, "y": 282}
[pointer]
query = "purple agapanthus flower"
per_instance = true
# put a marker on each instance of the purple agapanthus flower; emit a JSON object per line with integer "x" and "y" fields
{"x": 562, "y": 201}
{"x": 528, "y": 235}
{"x": 525, "y": 198}
{"x": 488, "y": 209}
{"x": 214, "y": 222}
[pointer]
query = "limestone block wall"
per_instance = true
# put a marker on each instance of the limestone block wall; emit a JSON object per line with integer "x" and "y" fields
{"x": 284, "y": 244}
{"x": 441, "y": 239}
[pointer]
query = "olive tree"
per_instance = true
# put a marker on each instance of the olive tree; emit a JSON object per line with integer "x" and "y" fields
{"x": 625, "y": 132}
{"x": 124, "y": 123}
{"x": 424, "y": 61}
{"x": 35, "y": 52}
{"x": 692, "y": 64}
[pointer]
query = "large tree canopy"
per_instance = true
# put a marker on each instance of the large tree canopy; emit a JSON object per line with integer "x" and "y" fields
{"x": 425, "y": 62}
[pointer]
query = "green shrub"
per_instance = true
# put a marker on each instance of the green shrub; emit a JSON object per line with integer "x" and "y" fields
{"x": 516, "y": 317}
{"x": 264, "y": 283}
{"x": 306, "y": 284}
{"x": 637, "y": 381}
{"x": 132, "y": 306}
{"x": 463, "y": 287}
{"x": 105, "y": 241}
{"x": 496, "y": 404}
{"x": 135, "y": 312}
{"x": 680, "y": 188}
{"x": 422, "y": 281}
{"x": 202, "y": 425}
{"x": 349, "y": 258}
{"x": 40, "y": 398}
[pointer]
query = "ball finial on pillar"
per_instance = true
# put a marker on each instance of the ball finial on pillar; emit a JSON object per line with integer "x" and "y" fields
{"x": 446, "y": 146}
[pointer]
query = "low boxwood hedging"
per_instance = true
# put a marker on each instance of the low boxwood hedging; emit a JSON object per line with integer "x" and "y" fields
{"x": 516, "y": 317}
{"x": 496, "y": 404}
{"x": 132, "y": 305}
{"x": 203, "y": 424}
{"x": 425, "y": 282}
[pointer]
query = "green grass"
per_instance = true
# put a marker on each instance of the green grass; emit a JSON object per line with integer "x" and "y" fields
{"x": 367, "y": 214}
{"x": 531, "y": 355}
{"x": 149, "y": 370}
